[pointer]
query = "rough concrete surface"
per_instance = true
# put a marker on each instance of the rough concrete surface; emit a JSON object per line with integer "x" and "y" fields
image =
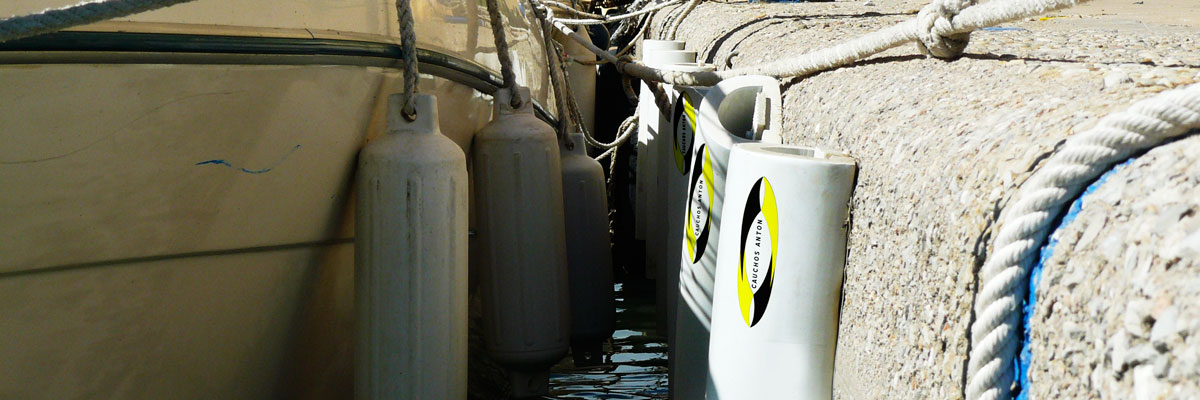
{"x": 1117, "y": 313}
{"x": 942, "y": 147}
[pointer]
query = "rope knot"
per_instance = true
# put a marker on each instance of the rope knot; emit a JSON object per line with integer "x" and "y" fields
{"x": 938, "y": 38}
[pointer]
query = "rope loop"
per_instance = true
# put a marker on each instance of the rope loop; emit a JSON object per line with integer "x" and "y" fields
{"x": 937, "y": 37}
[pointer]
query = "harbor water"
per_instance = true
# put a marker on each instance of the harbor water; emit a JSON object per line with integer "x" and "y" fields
{"x": 635, "y": 360}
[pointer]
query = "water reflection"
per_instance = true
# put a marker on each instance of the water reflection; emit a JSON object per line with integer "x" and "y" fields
{"x": 635, "y": 364}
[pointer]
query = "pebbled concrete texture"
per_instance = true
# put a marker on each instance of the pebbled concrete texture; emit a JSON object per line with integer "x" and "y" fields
{"x": 1117, "y": 315}
{"x": 942, "y": 147}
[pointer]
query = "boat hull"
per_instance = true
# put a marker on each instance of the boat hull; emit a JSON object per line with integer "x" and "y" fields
{"x": 176, "y": 190}
{"x": 185, "y": 230}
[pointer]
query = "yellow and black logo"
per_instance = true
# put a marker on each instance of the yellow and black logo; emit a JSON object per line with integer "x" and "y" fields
{"x": 697, "y": 220}
{"x": 684, "y": 116}
{"x": 756, "y": 266}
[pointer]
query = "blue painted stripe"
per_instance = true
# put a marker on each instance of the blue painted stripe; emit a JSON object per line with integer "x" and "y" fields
{"x": 1035, "y": 277}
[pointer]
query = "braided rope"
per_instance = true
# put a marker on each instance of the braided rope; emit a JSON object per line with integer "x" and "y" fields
{"x": 569, "y": 9}
{"x": 573, "y": 104}
{"x": 408, "y": 48}
{"x": 502, "y": 51}
{"x": 624, "y": 51}
{"x": 558, "y": 70}
{"x": 941, "y": 27}
{"x": 631, "y": 94}
{"x": 562, "y": 87}
{"x": 942, "y": 30}
{"x": 607, "y": 19}
{"x": 677, "y": 19}
{"x": 937, "y": 37}
{"x": 645, "y": 23}
{"x": 562, "y": 94}
{"x": 660, "y": 97}
{"x": 625, "y": 25}
{"x": 627, "y": 129}
{"x": 57, "y": 19}
{"x": 994, "y": 335}
{"x": 964, "y": 21}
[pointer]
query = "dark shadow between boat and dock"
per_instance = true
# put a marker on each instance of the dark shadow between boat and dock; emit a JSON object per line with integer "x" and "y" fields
{"x": 634, "y": 365}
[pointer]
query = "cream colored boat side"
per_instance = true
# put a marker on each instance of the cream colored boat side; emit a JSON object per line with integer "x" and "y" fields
{"x": 251, "y": 325}
{"x": 177, "y": 225}
{"x": 103, "y": 163}
{"x": 183, "y": 231}
{"x": 459, "y": 28}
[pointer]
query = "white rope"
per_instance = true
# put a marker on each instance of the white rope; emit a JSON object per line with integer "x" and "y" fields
{"x": 994, "y": 335}
{"x": 625, "y": 25}
{"x": 622, "y": 52}
{"x": 936, "y": 36}
{"x": 571, "y": 107}
{"x": 677, "y": 19}
{"x": 941, "y": 28}
{"x": 607, "y": 19}
{"x": 568, "y": 8}
{"x": 57, "y": 19}
{"x": 627, "y": 129}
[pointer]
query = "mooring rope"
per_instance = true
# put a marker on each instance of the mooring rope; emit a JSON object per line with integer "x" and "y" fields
{"x": 625, "y": 25}
{"x": 627, "y": 129}
{"x": 624, "y": 50}
{"x": 607, "y": 19}
{"x": 677, "y": 19}
{"x": 994, "y": 335}
{"x": 408, "y": 48}
{"x": 936, "y": 36}
{"x": 57, "y": 19}
{"x": 566, "y": 7}
{"x": 562, "y": 94}
{"x": 568, "y": 105}
{"x": 568, "y": 109}
{"x": 502, "y": 52}
{"x": 941, "y": 28}
{"x": 572, "y": 103}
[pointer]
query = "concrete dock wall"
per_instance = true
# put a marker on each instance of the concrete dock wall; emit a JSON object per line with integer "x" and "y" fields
{"x": 942, "y": 148}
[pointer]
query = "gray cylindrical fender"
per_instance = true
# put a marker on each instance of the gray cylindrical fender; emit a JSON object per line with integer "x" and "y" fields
{"x": 523, "y": 269}
{"x": 411, "y": 261}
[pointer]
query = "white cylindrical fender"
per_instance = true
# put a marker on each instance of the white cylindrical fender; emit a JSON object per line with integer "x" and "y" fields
{"x": 699, "y": 231}
{"x": 653, "y": 149}
{"x": 589, "y": 258}
{"x": 582, "y": 77}
{"x": 649, "y": 116}
{"x": 655, "y": 45}
{"x": 519, "y": 214}
{"x": 677, "y": 133}
{"x": 779, "y": 273}
{"x": 411, "y": 261}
